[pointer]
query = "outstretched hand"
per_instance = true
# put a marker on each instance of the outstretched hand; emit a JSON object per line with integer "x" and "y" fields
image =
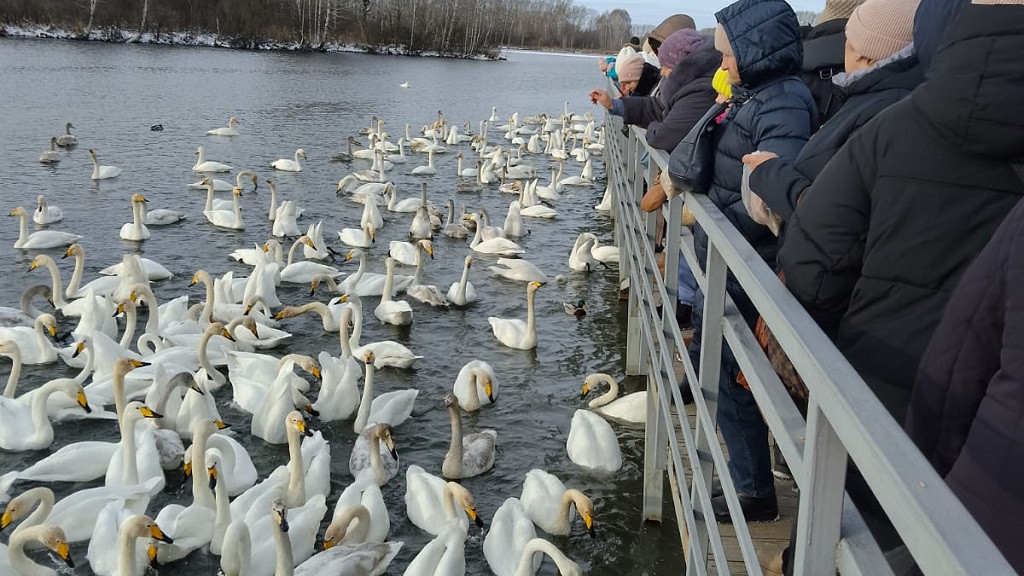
{"x": 601, "y": 97}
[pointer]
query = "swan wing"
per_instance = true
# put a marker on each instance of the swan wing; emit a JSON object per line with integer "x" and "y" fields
{"x": 394, "y": 407}
{"x": 423, "y": 500}
{"x": 508, "y": 534}
{"x": 592, "y": 442}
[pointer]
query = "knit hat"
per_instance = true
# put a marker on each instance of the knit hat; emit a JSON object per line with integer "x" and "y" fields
{"x": 678, "y": 46}
{"x": 878, "y": 29}
{"x": 630, "y": 68}
{"x": 837, "y": 10}
{"x": 722, "y": 43}
{"x": 720, "y": 82}
{"x": 670, "y": 25}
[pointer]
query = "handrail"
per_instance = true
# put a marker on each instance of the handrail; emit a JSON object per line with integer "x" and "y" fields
{"x": 844, "y": 416}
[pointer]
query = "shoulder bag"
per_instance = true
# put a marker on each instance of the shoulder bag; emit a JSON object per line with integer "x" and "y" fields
{"x": 692, "y": 163}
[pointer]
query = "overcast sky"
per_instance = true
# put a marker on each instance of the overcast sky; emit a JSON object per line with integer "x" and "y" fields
{"x": 703, "y": 11}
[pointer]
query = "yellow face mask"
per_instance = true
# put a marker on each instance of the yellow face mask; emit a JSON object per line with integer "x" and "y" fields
{"x": 721, "y": 83}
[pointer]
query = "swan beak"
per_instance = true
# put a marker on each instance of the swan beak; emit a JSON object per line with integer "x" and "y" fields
{"x": 83, "y": 402}
{"x": 148, "y": 413}
{"x": 303, "y": 429}
{"x": 187, "y": 467}
{"x": 489, "y": 390}
{"x": 227, "y": 334}
{"x": 151, "y": 552}
{"x": 66, "y": 254}
{"x": 373, "y": 237}
{"x": 247, "y": 310}
{"x": 33, "y": 265}
{"x": 212, "y": 471}
{"x": 157, "y": 533}
{"x": 476, "y": 519}
{"x": 65, "y": 554}
{"x": 280, "y": 315}
{"x": 586, "y": 390}
{"x": 588, "y": 520}
{"x": 193, "y": 385}
{"x": 118, "y": 311}
{"x": 316, "y": 373}
{"x": 138, "y": 363}
{"x": 255, "y": 330}
{"x": 328, "y": 544}
{"x": 310, "y": 244}
{"x": 78, "y": 349}
{"x": 284, "y": 525}
{"x": 6, "y": 520}
{"x": 53, "y": 331}
{"x": 221, "y": 425}
{"x": 348, "y": 257}
{"x": 312, "y": 412}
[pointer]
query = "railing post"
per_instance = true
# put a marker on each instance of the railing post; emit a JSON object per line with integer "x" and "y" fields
{"x": 708, "y": 373}
{"x": 655, "y": 446}
{"x": 821, "y": 497}
{"x": 634, "y": 359}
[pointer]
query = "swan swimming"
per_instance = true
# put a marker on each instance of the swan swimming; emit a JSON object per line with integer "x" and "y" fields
{"x": 229, "y": 131}
{"x": 289, "y": 165}
{"x": 204, "y": 165}
{"x": 41, "y": 239}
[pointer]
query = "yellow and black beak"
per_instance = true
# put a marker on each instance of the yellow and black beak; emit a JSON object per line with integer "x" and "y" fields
{"x": 586, "y": 390}
{"x": 64, "y": 553}
{"x": 588, "y": 521}
{"x": 187, "y": 466}
{"x": 83, "y": 402}
{"x": 53, "y": 331}
{"x": 138, "y": 363}
{"x": 489, "y": 390}
{"x": 151, "y": 552}
{"x": 67, "y": 253}
{"x": 212, "y": 472}
{"x": 33, "y": 265}
{"x": 475, "y": 517}
{"x": 227, "y": 334}
{"x": 303, "y": 429}
{"x": 317, "y": 374}
{"x": 156, "y": 532}
{"x": 328, "y": 544}
{"x": 6, "y": 520}
{"x": 221, "y": 425}
{"x": 78, "y": 349}
{"x": 148, "y": 412}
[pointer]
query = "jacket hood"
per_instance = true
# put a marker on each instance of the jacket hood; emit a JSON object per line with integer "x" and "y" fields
{"x": 700, "y": 63}
{"x": 901, "y": 70}
{"x": 974, "y": 90}
{"x": 765, "y": 37}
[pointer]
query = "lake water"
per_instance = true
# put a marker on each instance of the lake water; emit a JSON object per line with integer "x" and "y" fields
{"x": 114, "y": 93}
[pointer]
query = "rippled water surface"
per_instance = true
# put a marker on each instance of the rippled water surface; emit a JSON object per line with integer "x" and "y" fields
{"x": 114, "y": 93}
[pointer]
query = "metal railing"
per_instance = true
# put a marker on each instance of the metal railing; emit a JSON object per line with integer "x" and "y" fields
{"x": 844, "y": 418}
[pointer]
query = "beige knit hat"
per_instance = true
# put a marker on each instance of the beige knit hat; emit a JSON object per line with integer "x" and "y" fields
{"x": 878, "y": 29}
{"x": 837, "y": 9}
{"x": 629, "y": 68}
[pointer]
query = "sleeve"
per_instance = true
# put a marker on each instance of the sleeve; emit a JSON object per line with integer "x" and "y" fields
{"x": 640, "y": 110}
{"x": 779, "y": 184}
{"x": 782, "y": 125}
{"x": 617, "y": 107}
{"x": 823, "y": 250}
{"x": 679, "y": 119}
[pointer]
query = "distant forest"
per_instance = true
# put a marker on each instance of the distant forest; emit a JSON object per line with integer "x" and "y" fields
{"x": 447, "y": 27}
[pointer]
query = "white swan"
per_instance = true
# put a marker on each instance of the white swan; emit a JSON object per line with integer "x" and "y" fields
{"x": 406, "y": 205}
{"x": 125, "y": 558}
{"x": 46, "y": 214}
{"x": 514, "y": 221}
{"x": 347, "y": 550}
{"x": 422, "y": 226}
{"x": 392, "y": 408}
{"x": 463, "y": 293}
{"x": 427, "y": 170}
{"x": 604, "y": 254}
{"x": 468, "y": 455}
{"x": 445, "y": 555}
{"x": 528, "y": 563}
{"x": 517, "y": 269}
{"x": 507, "y": 537}
{"x": 26, "y": 313}
{"x": 50, "y": 536}
{"x": 516, "y": 333}
{"x": 501, "y": 246}
{"x": 385, "y": 352}
{"x": 231, "y": 219}
{"x": 67, "y": 139}
{"x": 406, "y": 252}
{"x": 362, "y": 237}
{"x": 547, "y": 502}
{"x": 580, "y": 258}
{"x": 159, "y": 216}
{"x": 374, "y": 453}
{"x": 32, "y": 343}
{"x": 630, "y": 408}
{"x": 337, "y": 560}
{"x": 25, "y": 425}
{"x": 426, "y": 293}
{"x": 225, "y": 186}
{"x": 327, "y": 317}
{"x": 592, "y": 443}
{"x": 285, "y": 223}
{"x": 41, "y": 239}
{"x": 476, "y": 385}
{"x": 363, "y": 283}
{"x": 363, "y": 493}
{"x": 454, "y": 229}
{"x": 204, "y": 165}
{"x": 390, "y": 311}
{"x": 135, "y": 459}
{"x": 289, "y": 165}
{"x": 102, "y": 172}
{"x": 136, "y": 229}
{"x": 431, "y": 503}
{"x": 229, "y": 131}
{"x": 280, "y": 398}
{"x": 339, "y": 389}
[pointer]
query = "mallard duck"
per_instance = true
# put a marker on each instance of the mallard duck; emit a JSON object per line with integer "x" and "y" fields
{"x": 578, "y": 310}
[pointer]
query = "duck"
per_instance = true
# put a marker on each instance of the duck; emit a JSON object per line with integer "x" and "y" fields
{"x": 230, "y": 219}
{"x": 136, "y": 229}
{"x": 579, "y": 309}
{"x": 67, "y": 139}
{"x": 347, "y": 547}
{"x": 289, "y": 165}
{"x": 50, "y": 156}
{"x": 518, "y": 269}
{"x": 500, "y": 246}
{"x": 431, "y": 502}
{"x": 41, "y": 239}
{"x": 391, "y": 408}
{"x": 391, "y": 311}
{"x": 468, "y": 455}
{"x": 547, "y": 502}
{"x": 476, "y": 385}
{"x": 229, "y": 131}
{"x": 204, "y": 165}
{"x": 462, "y": 293}
{"x": 46, "y": 214}
{"x": 426, "y": 293}
{"x": 374, "y": 453}
{"x": 592, "y": 443}
{"x": 516, "y": 333}
{"x": 507, "y": 537}
{"x": 50, "y": 536}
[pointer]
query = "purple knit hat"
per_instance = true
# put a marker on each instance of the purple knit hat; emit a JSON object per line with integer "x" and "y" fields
{"x": 678, "y": 46}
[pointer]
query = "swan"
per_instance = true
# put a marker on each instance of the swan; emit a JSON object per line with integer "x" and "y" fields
{"x": 279, "y": 398}
{"x": 364, "y": 493}
{"x": 445, "y": 555}
{"x": 25, "y": 425}
{"x": 363, "y": 283}
{"x": 229, "y": 131}
{"x": 528, "y": 563}
{"x": 575, "y": 180}
{"x": 513, "y": 332}
{"x": 159, "y": 216}
{"x": 50, "y": 156}
{"x": 10, "y": 349}
{"x": 330, "y": 322}
{"x": 319, "y": 250}
{"x": 385, "y": 352}
{"x": 50, "y": 536}
{"x": 580, "y": 258}
{"x": 136, "y": 229}
{"x": 339, "y": 389}
{"x": 204, "y": 165}
{"x": 465, "y": 172}
{"x": 390, "y": 311}
{"x": 430, "y": 502}
{"x": 507, "y": 537}
{"x": 67, "y": 139}
{"x": 32, "y": 343}
{"x": 604, "y": 254}
{"x": 392, "y": 408}
{"x": 294, "y": 533}
{"x": 225, "y": 186}
{"x": 285, "y": 220}
{"x": 305, "y": 270}
{"x": 26, "y": 313}
{"x": 630, "y": 408}
{"x": 46, "y": 214}
{"x": 102, "y": 172}
{"x": 426, "y": 293}
{"x": 421, "y": 226}
{"x": 401, "y": 158}
{"x": 347, "y": 547}
{"x": 549, "y": 192}
{"x": 369, "y": 559}
{"x": 454, "y": 229}
{"x": 371, "y": 213}
{"x": 124, "y": 558}
{"x": 501, "y": 246}
{"x": 406, "y": 205}
{"x": 517, "y": 269}
{"x": 374, "y": 453}
{"x": 427, "y": 170}
{"x": 592, "y": 443}
{"x": 547, "y": 502}
{"x": 406, "y": 252}
{"x": 362, "y": 237}
{"x": 476, "y": 385}
{"x": 469, "y": 455}
{"x": 462, "y": 293}
{"x": 190, "y": 527}
{"x": 41, "y": 239}
{"x": 135, "y": 458}
{"x": 231, "y": 219}
{"x": 252, "y": 375}
{"x": 345, "y": 156}
{"x": 514, "y": 221}
{"x": 375, "y": 173}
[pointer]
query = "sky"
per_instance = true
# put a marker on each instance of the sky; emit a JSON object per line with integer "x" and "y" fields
{"x": 703, "y": 11}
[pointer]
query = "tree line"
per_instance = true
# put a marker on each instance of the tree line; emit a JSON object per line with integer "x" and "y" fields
{"x": 447, "y": 27}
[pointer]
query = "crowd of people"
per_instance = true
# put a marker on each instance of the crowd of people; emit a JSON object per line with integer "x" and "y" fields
{"x": 884, "y": 154}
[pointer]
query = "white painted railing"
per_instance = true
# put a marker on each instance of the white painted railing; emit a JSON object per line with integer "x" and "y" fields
{"x": 844, "y": 416}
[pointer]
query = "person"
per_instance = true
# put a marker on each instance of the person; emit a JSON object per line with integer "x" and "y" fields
{"x": 967, "y": 402}
{"x": 634, "y": 43}
{"x": 877, "y": 243}
{"x": 771, "y": 110}
{"x": 824, "y": 55}
{"x": 662, "y": 31}
{"x": 881, "y": 68}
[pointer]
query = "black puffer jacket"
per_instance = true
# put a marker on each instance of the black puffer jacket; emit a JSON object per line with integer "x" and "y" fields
{"x": 682, "y": 99}
{"x": 772, "y": 110}
{"x": 780, "y": 182}
{"x": 878, "y": 242}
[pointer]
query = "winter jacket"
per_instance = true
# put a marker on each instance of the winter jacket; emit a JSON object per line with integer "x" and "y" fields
{"x": 888, "y": 227}
{"x": 967, "y": 407}
{"x": 824, "y": 57}
{"x": 650, "y": 76}
{"x": 682, "y": 99}
{"x": 865, "y": 93}
{"x": 931, "y": 20}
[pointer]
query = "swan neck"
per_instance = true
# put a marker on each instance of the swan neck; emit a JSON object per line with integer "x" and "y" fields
{"x": 131, "y": 315}
{"x": 22, "y": 230}
{"x": 201, "y": 493}
{"x": 296, "y": 476}
{"x": 19, "y": 561}
{"x": 463, "y": 282}
{"x": 285, "y": 561}
{"x": 291, "y": 252}
{"x": 389, "y": 283}
{"x": 207, "y": 316}
{"x": 365, "y": 401}
{"x": 273, "y": 205}
{"x": 376, "y": 464}
{"x": 204, "y": 358}
{"x": 609, "y": 396}
{"x": 448, "y": 500}
{"x": 58, "y": 289}
{"x": 209, "y": 197}
{"x": 343, "y": 339}
{"x": 238, "y": 209}
{"x": 76, "y": 279}
{"x": 152, "y": 308}
{"x": 530, "y": 316}
{"x": 129, "y": 468}
{"x": 223, "y": 518}
{"x": 357, "y": 321}
{"x": 12, "y": 379}
{"x": 44, "y": 505}
{"x": 454, "y": 456}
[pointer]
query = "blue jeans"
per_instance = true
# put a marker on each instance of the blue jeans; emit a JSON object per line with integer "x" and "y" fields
{"x": 687, "y": 283}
